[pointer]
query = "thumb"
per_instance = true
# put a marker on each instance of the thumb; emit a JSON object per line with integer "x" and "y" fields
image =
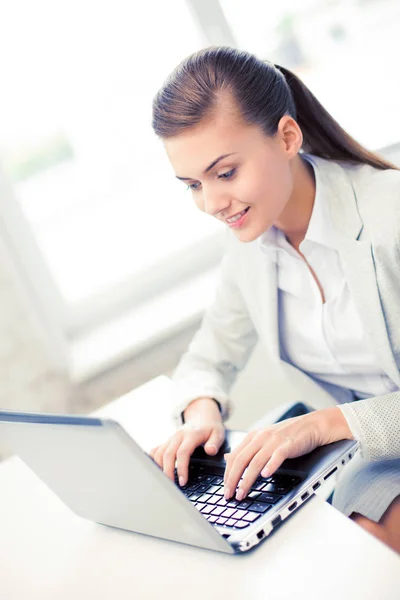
{"x": 215, "y": 440}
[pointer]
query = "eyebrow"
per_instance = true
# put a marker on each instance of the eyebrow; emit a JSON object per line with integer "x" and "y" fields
{"x": 214, "y": 162}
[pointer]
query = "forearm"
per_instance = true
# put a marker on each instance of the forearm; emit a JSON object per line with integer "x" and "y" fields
{"x": 330, "y": 425}
{"x": 202, "y": 409}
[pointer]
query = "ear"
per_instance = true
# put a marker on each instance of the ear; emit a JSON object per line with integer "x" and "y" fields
{"x": 290, "y": 136}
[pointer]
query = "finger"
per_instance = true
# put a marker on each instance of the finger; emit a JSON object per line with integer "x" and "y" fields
{"x": 215, "y": 440}
{"x": 252, "y": 472}
{"x": 277, "y": 458}
{"x": 153, "y": 451}
{"x": 169, "y": 456}
{"x": 245, "y": 442}
{"x": 237, "y": 468}
{"x": 230, "y": 457}
{"x": 184, "y": 452}
{"x": 158, "y": 456}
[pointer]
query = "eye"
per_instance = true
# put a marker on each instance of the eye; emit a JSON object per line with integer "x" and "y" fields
{"x": 193, "y": 186}
{"x": 227, "y": 175}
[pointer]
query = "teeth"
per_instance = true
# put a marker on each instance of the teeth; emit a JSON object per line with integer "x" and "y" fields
{"x": 236, "y": 217}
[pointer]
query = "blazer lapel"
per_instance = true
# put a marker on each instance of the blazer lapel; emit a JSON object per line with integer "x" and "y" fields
{"x": 357, "y": 261}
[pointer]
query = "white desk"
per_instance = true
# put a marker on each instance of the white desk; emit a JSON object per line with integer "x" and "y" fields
{"x": 48, "y": 553}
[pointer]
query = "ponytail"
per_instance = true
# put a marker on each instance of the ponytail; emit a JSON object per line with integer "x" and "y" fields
{"x": 322, "y": 135}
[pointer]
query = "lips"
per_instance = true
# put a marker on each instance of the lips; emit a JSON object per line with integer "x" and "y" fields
{"x": 236, "y": 216}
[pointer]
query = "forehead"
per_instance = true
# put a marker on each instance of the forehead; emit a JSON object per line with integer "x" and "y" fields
{"x": 193, "y": 150}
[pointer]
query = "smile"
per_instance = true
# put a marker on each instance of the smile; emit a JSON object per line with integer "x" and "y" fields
{"x": 238, "y": 219}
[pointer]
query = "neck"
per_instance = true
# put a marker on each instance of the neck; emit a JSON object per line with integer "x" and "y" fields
{"x": 295, "y": 217}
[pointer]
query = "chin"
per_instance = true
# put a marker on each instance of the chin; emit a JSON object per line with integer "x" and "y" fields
{"x": 247, "y": 236}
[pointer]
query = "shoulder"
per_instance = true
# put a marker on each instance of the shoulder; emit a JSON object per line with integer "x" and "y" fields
{"x": 377, "y": 193}
{"x": 369, "y": 181}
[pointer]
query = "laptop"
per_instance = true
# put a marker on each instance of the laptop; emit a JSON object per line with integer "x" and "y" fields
{"x": 95, "y": 467}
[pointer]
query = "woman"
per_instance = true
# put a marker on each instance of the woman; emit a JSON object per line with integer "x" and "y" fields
{"x": 311, "y": 269}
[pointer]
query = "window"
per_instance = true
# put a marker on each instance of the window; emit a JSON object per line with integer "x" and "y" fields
{"x": 346, "y": 51}
{"x": 109, "y": 225}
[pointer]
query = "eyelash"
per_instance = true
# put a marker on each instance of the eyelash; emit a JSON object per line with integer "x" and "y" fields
{"x": 226, "y": 175}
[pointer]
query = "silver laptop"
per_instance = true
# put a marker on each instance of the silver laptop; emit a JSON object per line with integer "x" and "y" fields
{"x": 103, "y": 475}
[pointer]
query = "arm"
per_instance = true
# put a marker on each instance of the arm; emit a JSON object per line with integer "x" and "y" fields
{"x": 375, "y": 423}
{"x": 219, "y": 349}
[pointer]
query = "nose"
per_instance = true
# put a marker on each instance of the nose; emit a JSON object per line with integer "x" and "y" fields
{"x": 214, "y": 202}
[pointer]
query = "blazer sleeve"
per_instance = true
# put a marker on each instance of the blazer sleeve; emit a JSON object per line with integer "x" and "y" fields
{"x": 375, "y": 423}
{"x": 220, "y": 348}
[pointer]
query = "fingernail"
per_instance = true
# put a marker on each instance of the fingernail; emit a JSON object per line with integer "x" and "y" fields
{"x": 265, "y": 473}
{"x": 240, "y": 494}
{"x": 181, "y": 480}
{"x": 211, "y": 448}
{"x": 227, "y": 493}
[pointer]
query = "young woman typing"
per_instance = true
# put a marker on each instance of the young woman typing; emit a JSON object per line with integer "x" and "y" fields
{"x": 311, "y": 270}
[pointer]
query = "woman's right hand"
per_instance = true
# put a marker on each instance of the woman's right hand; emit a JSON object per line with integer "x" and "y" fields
{"x": 203, "y": 425}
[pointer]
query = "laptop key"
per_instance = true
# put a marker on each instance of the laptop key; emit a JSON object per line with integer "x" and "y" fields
{"x": 218, "y": 480}
{"x": 209, "y": 479}
{"x": 241, "y": 524}
{"x": 218, "y": 510}
{"x": 216, "y": 471}
{"x": 199, "y": 505}
{"x": 244, "y": 504}
{"x": 251, "y": 516}
{"x": 239, "y": 514}
{"x": 202, "y": 488}
{"x": 216, "y": 489}
{"x": 228, "y": 512}
{"x": 222, "y": 501}
{"x": 212, "y": 518}
{"x": 269, "y": 498}
{"x": 194, "y": 497}
{"x": 213, "y": 499}
{"x": 233, "y": 503}
{"x": 193, "y": 487}
{"x": 230, "y": 523}
{"x": 258, "y": 486}
{"x": 207, "y": 509}
{"x": 221, "y": 521}
{"x": 204, "y": 497}
{"x": 254, "y": 495}
{"x": 276, "y": 488}
{"x": 260, "y": 507}
{"x": 286, "y": 480}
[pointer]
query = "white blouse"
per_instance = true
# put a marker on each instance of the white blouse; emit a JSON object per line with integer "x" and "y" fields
{"x": 325, "y": 340}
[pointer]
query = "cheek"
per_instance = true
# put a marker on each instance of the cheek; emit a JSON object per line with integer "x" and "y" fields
{"x": 198, "y": 200}
{"x": 275, "y": 186}
{"x": 266, "y": 188}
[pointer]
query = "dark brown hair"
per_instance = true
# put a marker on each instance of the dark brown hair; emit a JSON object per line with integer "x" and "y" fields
{"x": 262, "y": 91}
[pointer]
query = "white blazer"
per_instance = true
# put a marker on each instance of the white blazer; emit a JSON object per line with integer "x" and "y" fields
{"x": 364, "y": 205}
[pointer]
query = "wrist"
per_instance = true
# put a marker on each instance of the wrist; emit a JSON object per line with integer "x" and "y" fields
{"x": 332, "y": 425}
{"x": 202, "y": 408}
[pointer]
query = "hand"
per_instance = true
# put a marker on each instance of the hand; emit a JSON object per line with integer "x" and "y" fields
{"x": 265, "y": 450}
{"x": 203, "y": 425}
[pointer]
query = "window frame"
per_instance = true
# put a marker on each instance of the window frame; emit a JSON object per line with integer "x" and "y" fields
{"x": 61, "y": 324}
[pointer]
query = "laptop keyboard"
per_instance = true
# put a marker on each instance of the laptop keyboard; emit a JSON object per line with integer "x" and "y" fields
{"x": 205, "y": 490}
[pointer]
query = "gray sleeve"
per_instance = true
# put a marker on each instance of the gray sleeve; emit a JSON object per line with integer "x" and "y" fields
{"x": 375, "y": 423}
{"x": 219, "y": 349}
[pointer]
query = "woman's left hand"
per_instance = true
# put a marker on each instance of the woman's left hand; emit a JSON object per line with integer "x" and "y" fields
{"x": 264, "y": 451}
